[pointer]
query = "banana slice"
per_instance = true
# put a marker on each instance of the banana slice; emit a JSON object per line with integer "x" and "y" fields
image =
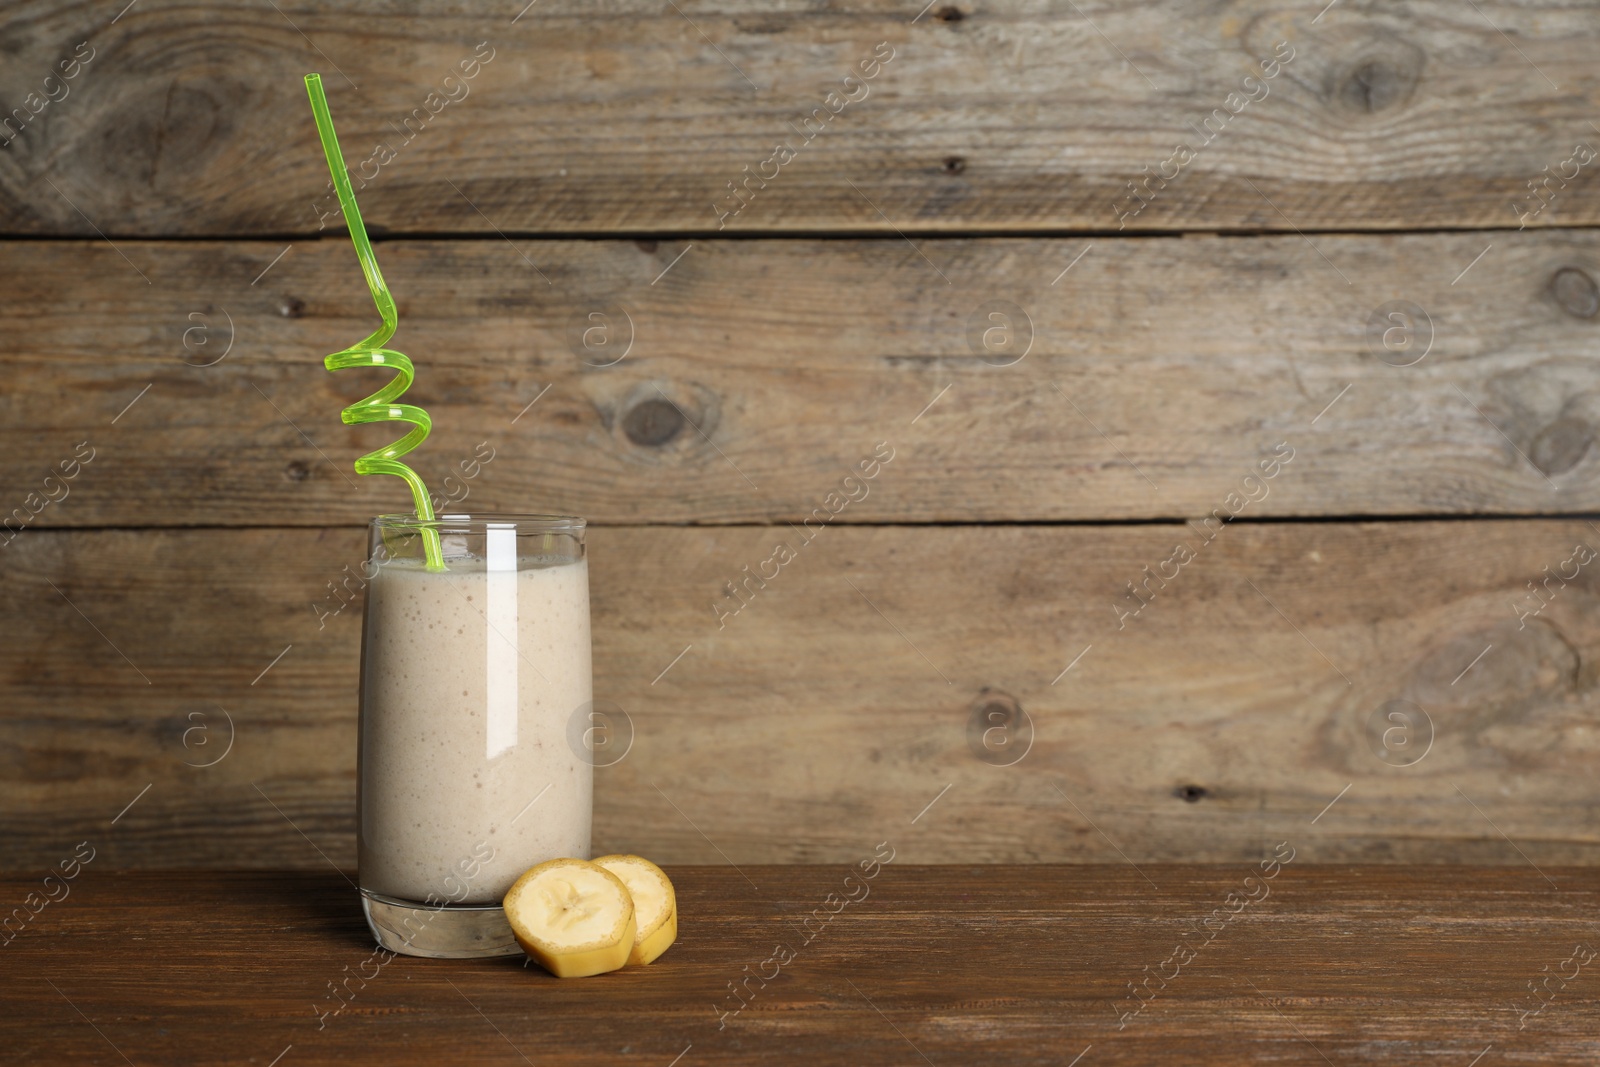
{"x": 574, "y": 917}
{"x": 655, "y": 905}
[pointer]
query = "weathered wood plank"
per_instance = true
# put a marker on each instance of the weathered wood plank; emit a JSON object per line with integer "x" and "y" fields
{"x": 995, "y": 965}
{"x": 638, "y": 117}
{"x": 1161, "y": 372}
{"x": 842, "y": 699}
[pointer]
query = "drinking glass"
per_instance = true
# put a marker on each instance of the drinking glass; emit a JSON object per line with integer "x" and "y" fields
{"x": 470, "y": 679}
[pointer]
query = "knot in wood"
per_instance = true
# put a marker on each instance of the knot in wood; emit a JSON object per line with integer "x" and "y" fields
{"x": 653, "y": 423}
{"x": 1576, "y": 292}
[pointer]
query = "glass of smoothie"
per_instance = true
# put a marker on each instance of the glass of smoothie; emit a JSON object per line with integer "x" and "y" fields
{"x": 470, "y": 680}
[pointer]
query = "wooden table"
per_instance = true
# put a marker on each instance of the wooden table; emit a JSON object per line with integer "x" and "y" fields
{"x": 939, "y": 965}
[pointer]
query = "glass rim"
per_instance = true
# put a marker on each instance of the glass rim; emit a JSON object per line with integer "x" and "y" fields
{"x": 463, "y": 523}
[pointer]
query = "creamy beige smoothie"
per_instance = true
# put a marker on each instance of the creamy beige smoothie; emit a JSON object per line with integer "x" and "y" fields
{"x": 470, "y": 679}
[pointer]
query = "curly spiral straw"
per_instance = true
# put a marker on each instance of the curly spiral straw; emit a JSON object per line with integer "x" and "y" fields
{"x": 380, "y": 406}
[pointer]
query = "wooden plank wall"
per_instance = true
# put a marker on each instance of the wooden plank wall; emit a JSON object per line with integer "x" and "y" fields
{"x": 1359, "y": 317}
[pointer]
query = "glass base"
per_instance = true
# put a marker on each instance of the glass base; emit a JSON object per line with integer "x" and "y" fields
{"x": 443, "y": 932}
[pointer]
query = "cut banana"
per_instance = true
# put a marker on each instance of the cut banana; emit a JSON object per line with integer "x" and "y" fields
{"x": 575, "y": 917}
{"x": 655, "y": 905}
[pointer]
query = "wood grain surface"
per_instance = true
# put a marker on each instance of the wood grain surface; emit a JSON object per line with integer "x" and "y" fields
{"x": 981, "y": 684}
{"x": 942, "y": 965}
{"x": 991, "y": 116}
{"x": 1361, "y": 319}
{"x": 740, "y": 381}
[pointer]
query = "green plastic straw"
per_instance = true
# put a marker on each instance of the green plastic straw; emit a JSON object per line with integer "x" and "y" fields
{"x": 380, "y": 406}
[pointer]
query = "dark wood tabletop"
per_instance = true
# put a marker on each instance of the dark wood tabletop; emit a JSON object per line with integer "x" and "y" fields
{"x": 1093, "y": 965}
